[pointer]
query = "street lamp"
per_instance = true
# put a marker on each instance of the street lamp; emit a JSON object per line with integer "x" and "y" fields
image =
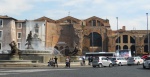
{"x": 117, "y": 33}
{"x": 101, "y": 39}
{"x": 147, "y": 31}
{"x": 92, "y": 37}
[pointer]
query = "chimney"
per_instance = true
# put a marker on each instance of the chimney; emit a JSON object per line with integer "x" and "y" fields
{"x": 107, "y": 21}
{"x": 123, "y": 27}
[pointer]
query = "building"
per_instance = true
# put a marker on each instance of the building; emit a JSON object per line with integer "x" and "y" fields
{"x": 68, "y": 34}
{"x": 7, "y": 32}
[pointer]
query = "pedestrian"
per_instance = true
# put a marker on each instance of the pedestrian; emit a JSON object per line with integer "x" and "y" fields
{"x": 89, "y": 60}
{"x": 68, "y": 62}
{"x": 55, "y": 60}
{"x": 83, "y": 61}
{"x": 49, "y": 62}
{"x": 52, "y": 62}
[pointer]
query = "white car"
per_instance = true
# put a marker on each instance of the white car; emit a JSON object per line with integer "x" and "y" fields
{"x": 134, "y": 60}
{"x": 120, "y": 61}
{"x": 146, "y": 63}
{"x": 101, "y": 61}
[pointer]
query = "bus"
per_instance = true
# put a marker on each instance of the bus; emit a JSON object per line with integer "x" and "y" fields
{"x": 107, "y": 54}
{"x": 123, "y": 53}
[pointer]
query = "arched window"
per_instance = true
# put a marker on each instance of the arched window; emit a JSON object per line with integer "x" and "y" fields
{"x": 133, "y": 51}
{"x": 125, "y": 47}
{"x": 95, "y": 39}
{"x": 118, "y": 47}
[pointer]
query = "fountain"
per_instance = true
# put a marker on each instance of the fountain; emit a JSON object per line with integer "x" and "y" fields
{"x": 31, "y": 56}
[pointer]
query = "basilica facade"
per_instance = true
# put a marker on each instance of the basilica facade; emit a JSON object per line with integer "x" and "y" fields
{"x": 72, "y": 35}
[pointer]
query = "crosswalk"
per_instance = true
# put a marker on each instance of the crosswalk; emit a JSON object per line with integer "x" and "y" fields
{"x": 19, "y": 71}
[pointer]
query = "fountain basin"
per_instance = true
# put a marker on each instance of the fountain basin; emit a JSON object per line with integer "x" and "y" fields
{"x": 18, "y": 63}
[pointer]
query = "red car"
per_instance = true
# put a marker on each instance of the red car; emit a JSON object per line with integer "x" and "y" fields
{"x": 145, "y": 56}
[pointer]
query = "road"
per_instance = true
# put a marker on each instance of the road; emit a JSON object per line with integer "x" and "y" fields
{"x": 116, "y": 71}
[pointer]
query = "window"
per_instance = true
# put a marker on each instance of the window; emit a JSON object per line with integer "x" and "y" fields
{"x": 36, "y": 28}
{"x": 19, "y": 45}
{"x": 0, "y": 46}
{"x": 104, "y": 58}
{"x": 125, "y": 38}
{"x": 1, "y": 34}
{"x": 98, "y": 22}
{"x": 93, "y": 22}
{"x": 19, "y": 25}
{"x": 1, "y": 23}
{"x": 19, "y": 35}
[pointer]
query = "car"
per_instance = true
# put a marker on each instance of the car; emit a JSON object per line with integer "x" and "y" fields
{"x": 146, "y": 63}
{"x": 113, "y": 61}
{"x": 101, "y": 61}
{"x": 144, "y": 56}
{"x": 134, "y": 60}
{"x": 120, "y": 61}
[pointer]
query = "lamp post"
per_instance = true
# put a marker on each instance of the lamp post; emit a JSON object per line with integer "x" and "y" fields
{"x": 92, "y": 37}
{"x": 117, "y": 33}
{"x": 102, "y": 38}
{"x": 147, "y": 31}
{"x": 141, "y": 50}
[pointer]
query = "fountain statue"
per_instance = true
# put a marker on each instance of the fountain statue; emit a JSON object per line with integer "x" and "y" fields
{"x": 29, "y": 40}
{"x": 75, "y": 51}
{"x": 72, "y": 52}
{"x": 14, "y": 51}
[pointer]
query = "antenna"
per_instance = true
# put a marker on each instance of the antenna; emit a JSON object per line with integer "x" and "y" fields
{"x": 69, "y": 13}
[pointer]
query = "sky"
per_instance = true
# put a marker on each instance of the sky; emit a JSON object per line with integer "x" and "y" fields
{"x": 130, "y": 13}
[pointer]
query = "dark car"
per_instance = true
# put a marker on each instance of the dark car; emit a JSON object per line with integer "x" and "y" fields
{"x": 113, "y": 61}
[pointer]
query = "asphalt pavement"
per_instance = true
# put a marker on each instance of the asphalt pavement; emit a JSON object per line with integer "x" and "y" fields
{"x": 89, "y": 71}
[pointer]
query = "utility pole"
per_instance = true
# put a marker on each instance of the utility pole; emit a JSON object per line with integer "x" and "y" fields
{"x": 147, "y": 32}
{"x": 92, "y": 37}
{"x": 117, "y": 33}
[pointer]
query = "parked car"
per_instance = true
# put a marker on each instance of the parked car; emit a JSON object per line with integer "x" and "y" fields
{"x": 146, "y": 63}
{"x": 113, "y": 61}
{"x": 144, "y": 56}
{"x": 134, "y": 60}
{"x": 120, "y": 61}
{"x": 101, "y": 61}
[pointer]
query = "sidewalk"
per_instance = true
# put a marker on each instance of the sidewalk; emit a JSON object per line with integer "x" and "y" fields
{"x": 63, "y": 64}
{"x": 60, "y": 64}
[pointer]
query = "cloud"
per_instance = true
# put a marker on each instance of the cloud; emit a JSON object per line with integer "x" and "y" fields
{"x": 138, "y": 23}
{"x": 131, "y": 13}
{"x": 73, "y": 2}
{"x": 14, "y": 7}
{"x": 52, "y": 14}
